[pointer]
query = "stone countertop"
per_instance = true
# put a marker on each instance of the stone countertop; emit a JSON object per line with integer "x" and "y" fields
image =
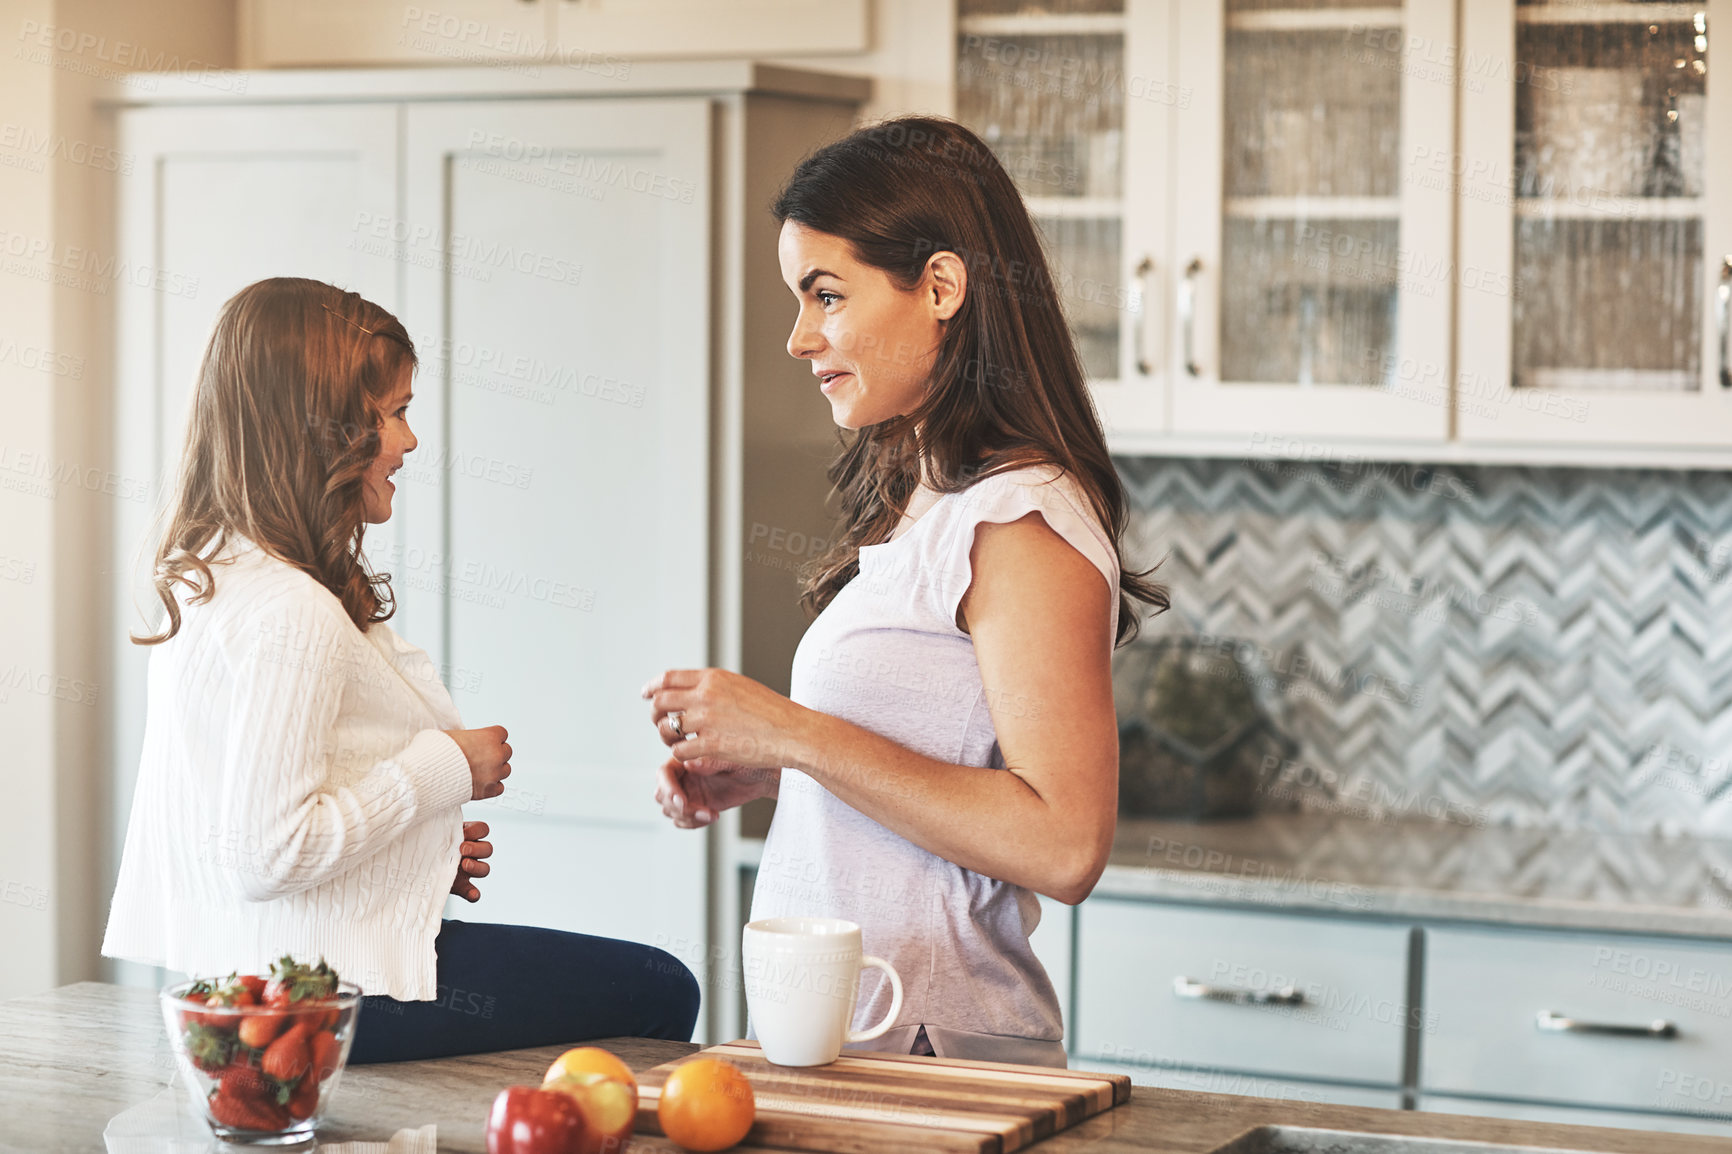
{"x": 88, "y": 1068}
{"x": 1431, "y": 870}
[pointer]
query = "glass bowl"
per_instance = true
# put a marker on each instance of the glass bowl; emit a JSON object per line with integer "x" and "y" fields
{"x": 261, "y": 1075}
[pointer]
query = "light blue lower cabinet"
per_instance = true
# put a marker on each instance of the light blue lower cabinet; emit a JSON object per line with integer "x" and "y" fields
{"x": 1636, "y": 1024}
{"x": 1051, "y": 942}
{"x": 1576, "y": 1115}
{"x": 1250, "y": 1085}
{"x": 1176, "y": 988}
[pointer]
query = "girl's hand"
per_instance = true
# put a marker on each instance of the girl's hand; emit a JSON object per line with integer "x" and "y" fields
{"x": 489, "y": 759}
{"x": 475, "y": 848}
{"x": 724, "y": 719}
{"x": 692, "y": 798}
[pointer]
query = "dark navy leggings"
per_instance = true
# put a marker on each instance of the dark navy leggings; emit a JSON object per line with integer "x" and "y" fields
{"x": 508, "y": 987}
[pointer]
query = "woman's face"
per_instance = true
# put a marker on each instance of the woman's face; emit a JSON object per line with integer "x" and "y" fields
{"x": 395, "y": 440}
{"x": 872, "y": 344}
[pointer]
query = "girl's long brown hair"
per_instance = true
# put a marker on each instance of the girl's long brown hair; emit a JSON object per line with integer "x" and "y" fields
{"x": 1007, "y": 387}
{"x": 285, "y": 421}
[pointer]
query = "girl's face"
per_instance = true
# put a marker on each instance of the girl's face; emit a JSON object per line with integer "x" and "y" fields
{"x": 872, "y": 344}
{"x": 395, "y": 440}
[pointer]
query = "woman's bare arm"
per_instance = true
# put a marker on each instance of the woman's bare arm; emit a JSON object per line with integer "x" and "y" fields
{"x": 1039, "y": 614}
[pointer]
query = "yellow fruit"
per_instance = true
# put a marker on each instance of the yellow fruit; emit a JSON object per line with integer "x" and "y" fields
{"x": 707, "y": 1104}
{"x": 608, "y": 1106}
{"x": 591, "y": 1060}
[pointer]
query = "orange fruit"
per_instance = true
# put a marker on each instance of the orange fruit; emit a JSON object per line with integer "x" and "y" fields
{"x": 591, "y": 1060}
{"x": 706, "y": 1104}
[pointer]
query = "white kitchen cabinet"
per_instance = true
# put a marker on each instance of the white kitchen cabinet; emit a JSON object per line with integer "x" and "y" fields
{"x": 1273, "y": 237}
{"x": 1304, "y": 295}
{"x": 1575, "y": 1115}
{"x": 541, "y": 35}
{"x": 302, "y": 33}
{"x": 1169, "y": 987}
{"x": 1595, "y": 174}
{"x": 1222, "y": 186}
{"x": 706, "y": 28}
{"x": 1632, "y": 1024}
{"x": 607, "y": 417}
{"x": 1091, "y": 160}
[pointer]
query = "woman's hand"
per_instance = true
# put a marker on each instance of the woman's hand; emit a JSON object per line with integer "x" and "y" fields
{"x": 475, "y": 848}
{"x": 489, "y": 759}
{"x": 724, "y": 720}
{"x": 693, "y": 798}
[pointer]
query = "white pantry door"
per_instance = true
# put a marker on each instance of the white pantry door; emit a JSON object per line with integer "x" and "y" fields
{"x": 554, "y": 537}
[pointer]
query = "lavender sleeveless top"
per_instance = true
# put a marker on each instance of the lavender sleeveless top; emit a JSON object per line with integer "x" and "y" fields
{"x": 886, "y": 655}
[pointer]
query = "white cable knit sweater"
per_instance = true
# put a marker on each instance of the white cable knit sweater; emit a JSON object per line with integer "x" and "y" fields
{"x": 295, "y": 795}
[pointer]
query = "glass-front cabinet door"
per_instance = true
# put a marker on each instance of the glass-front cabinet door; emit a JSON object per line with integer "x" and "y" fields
{"x": 1076, "y": 99}
{"x": 1597, "y": 198}
{"x": 1312, "y": 198}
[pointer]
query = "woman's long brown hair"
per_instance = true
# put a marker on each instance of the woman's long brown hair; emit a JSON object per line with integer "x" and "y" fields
{"x": 285, "y": 421}
{"x": 1007, "y": 387}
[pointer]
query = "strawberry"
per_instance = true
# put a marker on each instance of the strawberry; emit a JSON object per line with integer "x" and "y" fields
{"x": 246, "y": 1114}
{"x": 232, "y": 992}
{"x": 255, "y": 985}
{"x": 258, "y": 1030}
{"x": 225, "y": 1000}
{"x": 247, "y": 1084}
{"x": 198, "y": 993}
{"x": 293, "y": 982}
{"x": 324, "y": 1054}
{"x": 288, "y": 1057}
{"x": 208, "y": 1048}
{"x": 305, "y": 1098}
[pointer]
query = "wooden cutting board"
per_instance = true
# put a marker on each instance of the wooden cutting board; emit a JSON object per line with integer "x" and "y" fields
{"x": 865, "y": 1103}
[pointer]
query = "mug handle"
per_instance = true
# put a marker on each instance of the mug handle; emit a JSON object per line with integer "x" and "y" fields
{"x": 881, "y": 1028}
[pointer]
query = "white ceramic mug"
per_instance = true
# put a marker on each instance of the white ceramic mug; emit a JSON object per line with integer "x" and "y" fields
{"x": 801, "y": 977}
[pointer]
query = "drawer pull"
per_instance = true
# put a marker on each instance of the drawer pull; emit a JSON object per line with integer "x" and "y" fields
{"x": 1285, "y": 996}
{"x": 1558, "y": 1024}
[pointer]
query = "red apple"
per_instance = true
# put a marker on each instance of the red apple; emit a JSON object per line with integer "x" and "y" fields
{"x": 530, "y": 1120}
{"x": 609, "y": 1108}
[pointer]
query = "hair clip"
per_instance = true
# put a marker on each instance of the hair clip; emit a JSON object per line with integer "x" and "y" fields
{"x": 351, "y": 320}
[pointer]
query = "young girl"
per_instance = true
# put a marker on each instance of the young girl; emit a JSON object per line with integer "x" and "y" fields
{"x": 949, "y": 749}
{"x": 304, "y": 769}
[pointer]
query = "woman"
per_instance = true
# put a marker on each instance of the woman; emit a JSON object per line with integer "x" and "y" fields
{"x": 949, "y": 749}
{"x": 303, "y": 770}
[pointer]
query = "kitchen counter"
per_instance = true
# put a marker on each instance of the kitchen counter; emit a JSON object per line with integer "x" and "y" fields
{"x": 1431, "y": 870}
{"x": 90, "y": 1059}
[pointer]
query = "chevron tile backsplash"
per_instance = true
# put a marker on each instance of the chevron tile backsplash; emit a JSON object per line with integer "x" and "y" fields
{"x": 1533, "y": 647}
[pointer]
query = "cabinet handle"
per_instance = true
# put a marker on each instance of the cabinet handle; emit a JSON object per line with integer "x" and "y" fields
{"x": 1285, "y": 996}
{"x": 1554, "y": 1023}
{"x": 1724, "y": 293}
{"x": 1188, "y": 314}
{"x": 1145, "y": 271}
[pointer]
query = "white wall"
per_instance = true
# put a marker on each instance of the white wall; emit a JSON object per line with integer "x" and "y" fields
{"x": 57, "y": 279}
{"x": 30, "y": 910}
{"x": 912, "y": 60}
